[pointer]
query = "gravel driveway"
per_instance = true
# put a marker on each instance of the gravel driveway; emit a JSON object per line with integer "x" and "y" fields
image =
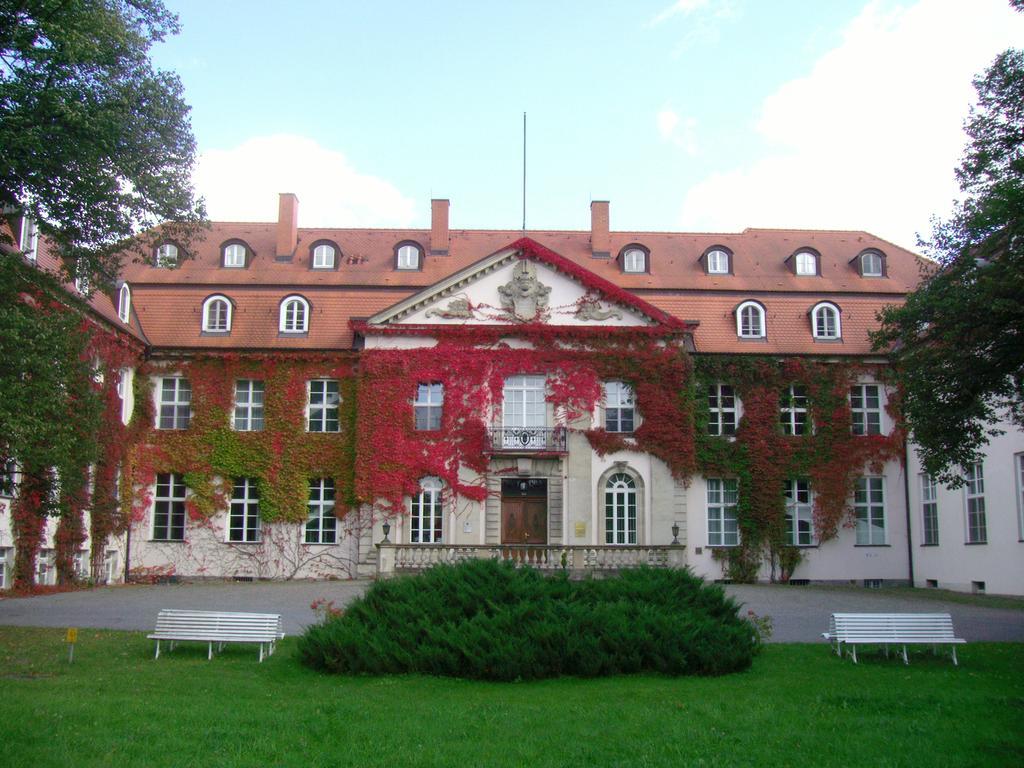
{"x": 799, "y": 614}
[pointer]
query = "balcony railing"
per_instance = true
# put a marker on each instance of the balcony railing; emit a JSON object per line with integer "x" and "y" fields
{"x": 403, "y": 558}
{"x": 530, "y": 439}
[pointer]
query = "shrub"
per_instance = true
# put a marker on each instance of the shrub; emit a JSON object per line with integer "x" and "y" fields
{"x": 488, "y": 620}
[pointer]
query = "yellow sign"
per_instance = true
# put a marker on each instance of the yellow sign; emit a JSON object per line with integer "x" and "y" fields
{"x": 581, "y": 530}
{"x": 72, "y": 635}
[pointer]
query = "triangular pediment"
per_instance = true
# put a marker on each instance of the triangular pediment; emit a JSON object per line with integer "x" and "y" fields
{"x": 524, "y": 283}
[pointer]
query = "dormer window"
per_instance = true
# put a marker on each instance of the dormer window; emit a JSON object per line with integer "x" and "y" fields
{"x": 871, "y": 264}
{"x": 124, "y": 303}
{"x": 325, "y": 256}
{"x": 825, "y": 321}
{"x": 294, "y": 315}
{"x": 217, "y": 315}
{"x": 407, "y": 256}
{"x": 167, "y": 256}
{"x": 634, "y": 259}
{"x": 750, "y": 320}
{"x": 717, "y": 261}
{"x": 805, "y": 263}
{"x": 234, "y": 255}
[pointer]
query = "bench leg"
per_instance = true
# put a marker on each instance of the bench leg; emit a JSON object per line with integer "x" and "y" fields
{"x": 886, "y": 647}
{"x": 157, "y": 651}
{"x": 953, "y": 648}
{"x": 209, "y": 653}
{"x": 853, "y": 652}
{"x": 261, "y": 653}
{"x": 905, "y": 659}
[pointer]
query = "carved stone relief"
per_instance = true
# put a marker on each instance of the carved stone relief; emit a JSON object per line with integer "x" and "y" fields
{"x": 524, "y": 296}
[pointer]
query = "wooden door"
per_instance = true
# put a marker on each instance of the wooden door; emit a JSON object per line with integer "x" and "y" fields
{"x": 524, "y": 521}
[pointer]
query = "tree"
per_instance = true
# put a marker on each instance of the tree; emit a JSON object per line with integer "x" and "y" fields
{"x": 97, "y": 145}
{"x": 958, "y": 341}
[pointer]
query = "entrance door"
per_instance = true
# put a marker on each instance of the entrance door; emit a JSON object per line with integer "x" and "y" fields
{"x": 524, "y": 511}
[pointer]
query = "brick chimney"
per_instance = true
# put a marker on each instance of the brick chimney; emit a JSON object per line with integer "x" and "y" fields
{"x": 287, "y": 226}
{"x": 439, "y": 238}
{"x": 600, "y": 241}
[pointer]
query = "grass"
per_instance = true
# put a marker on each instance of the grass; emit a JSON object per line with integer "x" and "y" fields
{"x": 798, "y": 705}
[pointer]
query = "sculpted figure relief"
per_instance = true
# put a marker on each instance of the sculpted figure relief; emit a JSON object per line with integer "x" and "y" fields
{"x": 524, "y": 296}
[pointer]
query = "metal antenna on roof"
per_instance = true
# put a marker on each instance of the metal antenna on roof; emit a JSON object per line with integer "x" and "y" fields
{"x": 524, "y": 171}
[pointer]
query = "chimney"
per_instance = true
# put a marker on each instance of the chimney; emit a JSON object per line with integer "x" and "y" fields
{"x": 600, "y": 242}
{"x": 439, "y": 227}
{"x": 287, "y": 226}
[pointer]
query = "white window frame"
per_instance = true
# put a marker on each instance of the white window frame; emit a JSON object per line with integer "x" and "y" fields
{"x": 244, "y": 526}
{"x": 291, "y": 321}
{"x": 324, "y": 415}
{"x": 723, "y": 419}
{"x": 722, "y": 498}
{"x": 821, "y": 327}
{"x": 620, "y": 509}
{"x": 46, "y": 571}
{"x": 28, "y": 238}
{"x": 408, "y": 257}
{"x": 9, "y": 479}
{"x": 718, "y": 262}
{"x": 248, "y": 412}
{"x": 426, "y": 513}
{"x": 234, "y": 256}
{"x": 1018, "y": 464}
{"x": 929, "y": 511}
{"x": 524, "y": 411}
{"x": 869, "y": 508}
{"x": 873, "y": 255}
{"x": 428, "y": 407}
{"x": 793, "y": 405}
{"x": 634, "y": 260}
{"x": 321, "y": 522}
{"x": 745, "y": 330}
{"x": 976, "y": 522}
{"x": 169, "y": 501}
{"x": 167, "y": 256}
{"x": 806, "y": 264}
{"x": 324, "y": 256}
{"x": 865, "y": 418}
{"x": 3, "y": 566}
{"x": 799, "y": 512}
{"x": 181, "y": 398}
{"x": 209, "y": 317}
{"x": 124, "y": 303}
{"x": 619, "y": 408}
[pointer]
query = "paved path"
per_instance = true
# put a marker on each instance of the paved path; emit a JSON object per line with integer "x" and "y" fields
{"x": 799, "y": 614}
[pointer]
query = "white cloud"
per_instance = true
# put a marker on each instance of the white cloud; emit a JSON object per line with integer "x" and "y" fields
{"x": 682, "y": 132}
{"x": 242, "y": 184}
{"x": 870, "y": 137}
{"x": 683, "y": 7}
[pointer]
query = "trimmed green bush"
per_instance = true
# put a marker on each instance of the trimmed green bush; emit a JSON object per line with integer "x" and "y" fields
{"x": 488, "y": 620}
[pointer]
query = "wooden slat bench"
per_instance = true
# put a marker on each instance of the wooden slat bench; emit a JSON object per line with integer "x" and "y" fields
{"x": 885, "y": 629}
{"x": 218, "y": 627}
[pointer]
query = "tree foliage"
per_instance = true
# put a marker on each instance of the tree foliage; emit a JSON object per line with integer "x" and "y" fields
{"x": 958, "y": 341}
{"x": 97, "y": 145}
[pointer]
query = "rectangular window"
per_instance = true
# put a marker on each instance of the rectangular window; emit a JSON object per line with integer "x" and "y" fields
{"x": 723, "y": 528}
{"x": 3, "y": 567}
{"x": 428, "y": 406}
{"x": 174, "y": 406}
{"x": 929, "y": 511}
{"x": 46, "y": 573}
{"x": 322, "y": 408}
{"x": 869, "y": 506}
{"x": 1019, "y": 463}
{"x": 8, "y": 478}
{"x": 799, "y": 513}
{"x": 244, "y": 515}
{"x": 425, "y": 513}
{"x": 866, "y": 409}
{"x": 721, "y": 410}
{"x": 29, "y": 239}
{"x": 793, "y": 410}
{"x": 322, "y": 525}
{"x": 248, "y": 415}
{"x": 524, "y": 412}
{"x": 975, "y": 492}
{"x": 619, "y": 407}
{"x": 169, "y": 508}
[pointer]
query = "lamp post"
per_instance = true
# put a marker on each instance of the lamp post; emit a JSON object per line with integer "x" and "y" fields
{"x": 387, "y": 529}
{"x": 675, "y": 534}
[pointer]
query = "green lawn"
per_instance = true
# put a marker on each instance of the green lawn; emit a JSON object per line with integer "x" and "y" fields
{"x": 799, "y": 705}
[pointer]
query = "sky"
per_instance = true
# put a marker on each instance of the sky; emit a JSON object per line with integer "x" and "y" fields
{"x": 693, "y": 115}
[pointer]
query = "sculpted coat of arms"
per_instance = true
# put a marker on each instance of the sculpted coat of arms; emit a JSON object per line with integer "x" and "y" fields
{"x": 524, "y": 296}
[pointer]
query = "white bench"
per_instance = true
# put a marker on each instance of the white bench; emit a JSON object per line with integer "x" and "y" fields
{"x": 885, "y": 629}
{"x": 218, "y": 627}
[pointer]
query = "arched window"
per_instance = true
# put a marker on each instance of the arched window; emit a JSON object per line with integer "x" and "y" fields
{"x": 124, "y": 303}
{"x": 294, "y": 315}
{"x": 825, "y": 321}
{"x": 407, "y": 256}
{"x": 806, "y": 263}
{"x": 871, "y": 264}
{"x": 717, "y": 260}
{"x": 217, "y": 315}
{"x": 750, "y": 320}
{"x": 634, "y": 259}
{"x": 235, "y": 255}
{"x": 325, "y": 256}
{"x": 167, "y": 256}
{"x": 425, "y": 515}
{"x": 620, "y": 507}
